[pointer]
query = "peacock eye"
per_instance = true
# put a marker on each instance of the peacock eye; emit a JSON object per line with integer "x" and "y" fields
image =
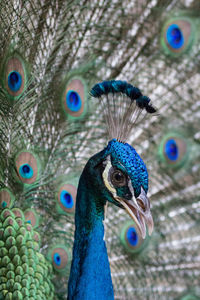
{"x": 118, "y": 178}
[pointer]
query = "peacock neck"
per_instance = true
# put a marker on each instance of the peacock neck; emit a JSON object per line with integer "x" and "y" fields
{"x": 90, "y": 276}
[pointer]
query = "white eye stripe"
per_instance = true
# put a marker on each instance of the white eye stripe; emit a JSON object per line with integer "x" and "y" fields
{"x": 107, "y": 183}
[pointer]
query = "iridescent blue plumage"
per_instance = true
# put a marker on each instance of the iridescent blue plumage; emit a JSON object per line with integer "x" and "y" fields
{"x": 14, "y": 81}
{"x": 133, "y": 163}
{"x": 90, "y": 272}
{"x": 66, "y": 199}
{"x": 26, "y": 171}
{"x": 73, "y": 100}
{"x": 171, "y": 149}
{"x": 174, "y": 36}
{"x": 132, "y": 236}
{"x": 56, "y": 258}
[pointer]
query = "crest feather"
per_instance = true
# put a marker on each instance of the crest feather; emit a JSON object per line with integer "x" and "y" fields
{"x": 122, "y": 105}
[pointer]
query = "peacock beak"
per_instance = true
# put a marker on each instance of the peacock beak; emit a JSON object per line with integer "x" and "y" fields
{"x": 139, "y": 210}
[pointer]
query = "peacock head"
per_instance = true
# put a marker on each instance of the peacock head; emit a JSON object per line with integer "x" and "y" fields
{"x": 119, "y": 174}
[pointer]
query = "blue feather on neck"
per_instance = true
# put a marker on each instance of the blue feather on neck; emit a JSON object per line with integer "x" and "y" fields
{"x": 90, "y": 276}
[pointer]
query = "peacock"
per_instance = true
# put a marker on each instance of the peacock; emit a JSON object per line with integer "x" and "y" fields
{"x": 119, "y": 176}
{"x": 73, "y": 119}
